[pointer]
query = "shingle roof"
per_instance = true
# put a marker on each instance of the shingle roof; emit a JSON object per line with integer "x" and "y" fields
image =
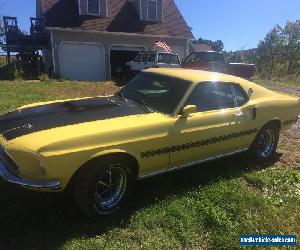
{"x": 122, "y": 17}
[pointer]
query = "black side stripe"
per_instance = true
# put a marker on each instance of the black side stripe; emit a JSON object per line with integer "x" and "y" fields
{"x": 197, "y": 144}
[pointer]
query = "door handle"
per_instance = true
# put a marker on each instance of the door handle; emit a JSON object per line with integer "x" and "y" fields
{"x": 239, "y": 114}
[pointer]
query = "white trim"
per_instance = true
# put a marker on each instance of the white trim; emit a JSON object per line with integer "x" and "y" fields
{"x": 141, "y": 10}
{"x": 79, "y": 7}
{"x": 93, "y": 14}
{"x": 120, "y": 45}
{"x": 53, "y": 53}
{"x": 154, "y": 20}
{"x": 114, "y": 33}
{"x": 175, "y": 168}
{"x": 106, "y": 14}
{"x": 85, "y": 43}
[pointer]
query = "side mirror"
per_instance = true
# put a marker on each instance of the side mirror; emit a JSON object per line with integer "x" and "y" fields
{"x": 187, "y": 110}
{"x": 250, "y": 92}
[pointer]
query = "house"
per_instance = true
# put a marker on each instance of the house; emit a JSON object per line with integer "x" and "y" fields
{"x": 89, "y": 38}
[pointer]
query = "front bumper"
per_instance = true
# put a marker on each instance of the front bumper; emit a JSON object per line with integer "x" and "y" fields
{"x": 47, "y": 185}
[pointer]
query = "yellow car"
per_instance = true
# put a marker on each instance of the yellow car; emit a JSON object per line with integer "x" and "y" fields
{"x": 162, "y": 120}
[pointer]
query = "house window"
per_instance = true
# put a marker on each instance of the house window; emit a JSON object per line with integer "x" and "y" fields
{"x": 152, "y": 10}
{"x": 94, "y": 7}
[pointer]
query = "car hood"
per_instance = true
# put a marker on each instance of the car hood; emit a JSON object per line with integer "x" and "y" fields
{"x": 34, "y": 119}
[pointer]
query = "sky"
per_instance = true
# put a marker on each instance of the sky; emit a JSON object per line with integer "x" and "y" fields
{"x": 240, "y": 24}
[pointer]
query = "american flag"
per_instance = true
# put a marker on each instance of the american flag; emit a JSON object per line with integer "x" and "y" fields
{"x": 163, "y": 45}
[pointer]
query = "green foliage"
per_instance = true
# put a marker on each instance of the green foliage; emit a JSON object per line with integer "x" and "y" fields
{"x": 10, "y": 72}
{"x": 215, "y": 45}
{"x": 277, "y": 55}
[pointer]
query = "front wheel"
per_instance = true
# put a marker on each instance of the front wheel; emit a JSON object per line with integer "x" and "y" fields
{"x": 104, "y": 186}
{"x": 265, "y": 144}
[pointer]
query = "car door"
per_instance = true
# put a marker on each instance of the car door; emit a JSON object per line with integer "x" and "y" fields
{"x": 174, "y": 61}
{"x": 163, "y": 60}
{"x": 144, "y": 63}
{"x": 210, "y": 132}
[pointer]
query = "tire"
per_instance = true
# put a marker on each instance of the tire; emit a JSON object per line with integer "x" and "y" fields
{"x": 103, "y": 186}
{"x": 264, "y": 147}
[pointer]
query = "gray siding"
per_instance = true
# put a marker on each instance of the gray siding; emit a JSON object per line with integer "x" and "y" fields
{"x": 107, "y": 40}
{"x": 83, "y": 7}
{"x": 38, "y": 9}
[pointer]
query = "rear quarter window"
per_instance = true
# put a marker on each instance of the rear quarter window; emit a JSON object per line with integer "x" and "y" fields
{"x": 241, "y": 96}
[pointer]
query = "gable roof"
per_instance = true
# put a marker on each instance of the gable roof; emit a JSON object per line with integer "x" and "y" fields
{"x": 122, "y": 17}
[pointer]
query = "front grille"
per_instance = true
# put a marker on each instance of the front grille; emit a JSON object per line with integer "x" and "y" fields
{"x": 8, "y": 162}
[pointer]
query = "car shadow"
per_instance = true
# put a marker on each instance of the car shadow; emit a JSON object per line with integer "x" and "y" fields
{"x": 48, "y": 220}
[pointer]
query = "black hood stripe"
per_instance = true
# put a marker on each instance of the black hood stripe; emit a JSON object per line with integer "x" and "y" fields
{"x": 38, "y": 118}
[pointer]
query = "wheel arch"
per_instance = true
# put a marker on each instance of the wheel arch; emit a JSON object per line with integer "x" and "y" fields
{"x": 100, "y": 156}
{"x": 276, "y": 121}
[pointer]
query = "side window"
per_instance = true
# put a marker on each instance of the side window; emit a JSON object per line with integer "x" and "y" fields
{"x": 174, "y": 59}
{"x": 240, "y": 95}
{"x": 152, "y": 58}
{"x": 145, "y": 57}
{"x": 138, "y": 57}
{"x": 163, "y": 58}
{"x": 152, "y": 10}
{"x": 94, "y": 7}
{"x": 211, "y": 96}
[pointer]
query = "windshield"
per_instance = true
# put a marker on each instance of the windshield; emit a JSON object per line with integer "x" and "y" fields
{"x": 205, "y": 57}
{"x": 157, "y": 92}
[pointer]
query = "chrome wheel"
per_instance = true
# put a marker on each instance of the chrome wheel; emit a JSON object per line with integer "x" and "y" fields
{"x": 110, "y": 188}
{"x": 266, "y": 143}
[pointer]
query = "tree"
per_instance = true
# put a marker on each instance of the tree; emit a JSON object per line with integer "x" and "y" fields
{"x": 215, "y": 45}
{"x": 291, "y": 36}
{"x": 270, "y": 50}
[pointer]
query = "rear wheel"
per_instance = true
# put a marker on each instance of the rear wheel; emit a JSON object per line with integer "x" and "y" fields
{"x": 103, "y": 187}
{"x": 265, "y": 144}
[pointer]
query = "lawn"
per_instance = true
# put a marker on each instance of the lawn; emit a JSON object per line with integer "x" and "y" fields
{"x": 204, "y": 207}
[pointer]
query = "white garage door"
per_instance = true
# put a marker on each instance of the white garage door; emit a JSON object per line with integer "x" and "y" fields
{"x": 83, "y": 62}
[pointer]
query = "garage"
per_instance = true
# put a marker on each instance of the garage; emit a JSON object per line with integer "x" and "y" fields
{"x": 119, "y": 56}
{"x": 82, "y": 61}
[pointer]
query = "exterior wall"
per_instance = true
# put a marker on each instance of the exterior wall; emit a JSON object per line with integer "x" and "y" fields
{"x": 38, "y": 9}
{"x": 108, "y": 40}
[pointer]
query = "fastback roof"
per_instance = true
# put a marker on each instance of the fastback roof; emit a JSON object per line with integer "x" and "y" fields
{"x": 122, "y": 17}
{"x": 195, "y": 76}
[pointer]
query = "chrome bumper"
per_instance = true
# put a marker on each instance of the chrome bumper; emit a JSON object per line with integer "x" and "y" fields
{"x": 50, "y": 185}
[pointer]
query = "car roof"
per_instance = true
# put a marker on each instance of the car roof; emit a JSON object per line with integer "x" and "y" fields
{"x": 195, "y": 76}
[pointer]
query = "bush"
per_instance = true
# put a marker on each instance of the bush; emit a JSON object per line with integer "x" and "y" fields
{"x": 44, "y": 78}
{"x": 10, "y": 72}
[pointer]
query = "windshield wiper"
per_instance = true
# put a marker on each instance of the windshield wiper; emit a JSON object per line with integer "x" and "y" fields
{"x": 118, "y": 94}
{"x": 143, "y": 103}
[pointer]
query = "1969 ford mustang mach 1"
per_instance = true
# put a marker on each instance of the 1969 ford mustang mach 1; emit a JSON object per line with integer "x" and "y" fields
{"x": 162, "y": 120}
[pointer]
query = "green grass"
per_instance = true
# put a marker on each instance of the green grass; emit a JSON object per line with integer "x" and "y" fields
{"x": 204, "y": 207}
